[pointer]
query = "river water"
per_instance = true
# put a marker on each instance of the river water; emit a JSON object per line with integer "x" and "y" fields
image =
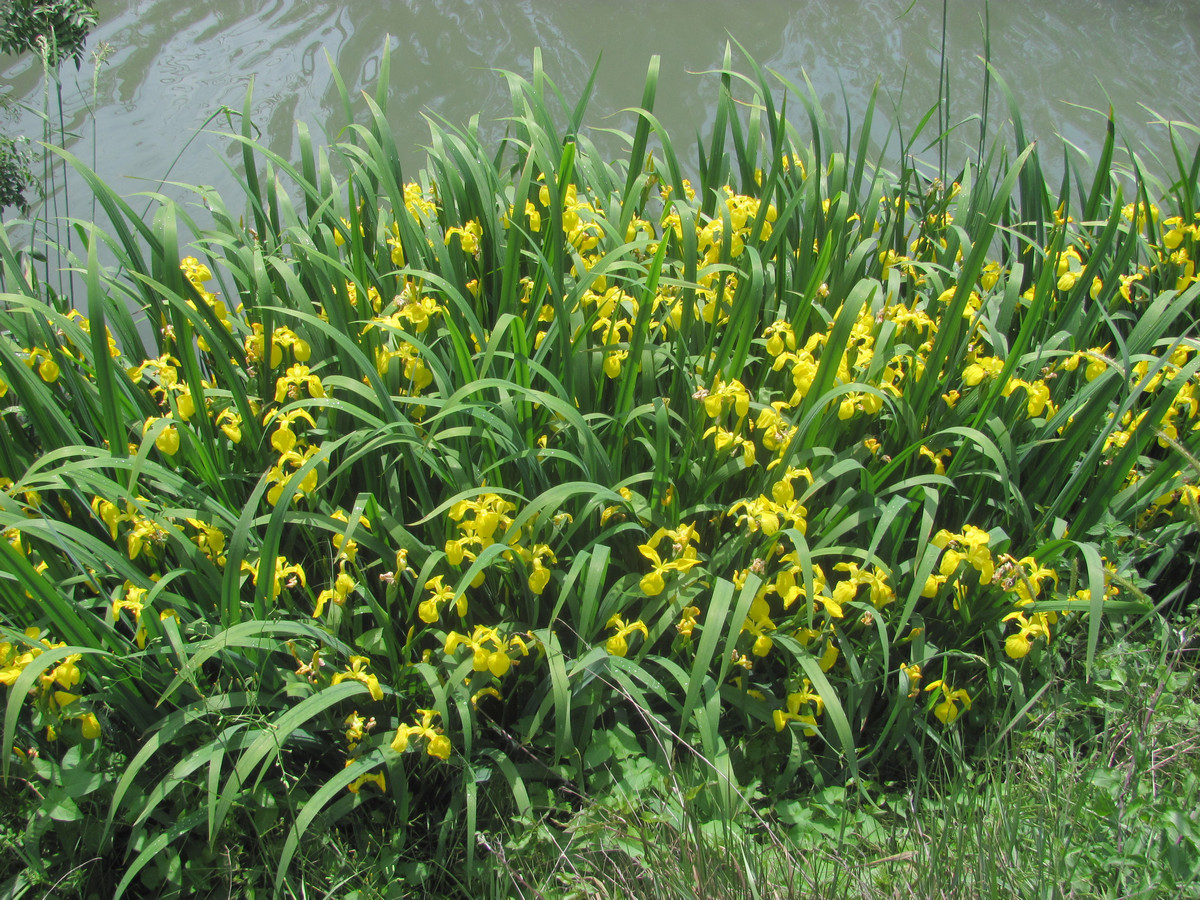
{"x": 172, "y": 65}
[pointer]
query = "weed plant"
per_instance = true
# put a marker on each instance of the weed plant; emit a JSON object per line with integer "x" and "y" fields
{"x": 400, "y": 507}
{"x": 54, "y": 31}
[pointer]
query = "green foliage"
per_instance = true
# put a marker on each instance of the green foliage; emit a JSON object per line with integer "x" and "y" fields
{"x": 403, "y": 507}
{"x": 1096, "y": 799}
{"x": 16, "y": 177}
{"x": 61, "y": 25}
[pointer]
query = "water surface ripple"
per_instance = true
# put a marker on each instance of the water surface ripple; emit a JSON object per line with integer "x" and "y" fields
{"x": 175, "y": 64}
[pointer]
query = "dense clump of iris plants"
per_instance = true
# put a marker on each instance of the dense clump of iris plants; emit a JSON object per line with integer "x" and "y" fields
{"x": 398, "y": 504}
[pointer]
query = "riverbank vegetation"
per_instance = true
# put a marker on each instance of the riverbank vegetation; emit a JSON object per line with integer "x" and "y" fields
{"x": 539, "y": 524}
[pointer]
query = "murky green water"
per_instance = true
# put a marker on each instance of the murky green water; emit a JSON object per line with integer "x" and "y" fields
{"x": 173, "y": 64}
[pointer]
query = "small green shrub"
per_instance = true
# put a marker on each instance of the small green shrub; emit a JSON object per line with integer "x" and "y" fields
{"x": 16, "y": 177}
